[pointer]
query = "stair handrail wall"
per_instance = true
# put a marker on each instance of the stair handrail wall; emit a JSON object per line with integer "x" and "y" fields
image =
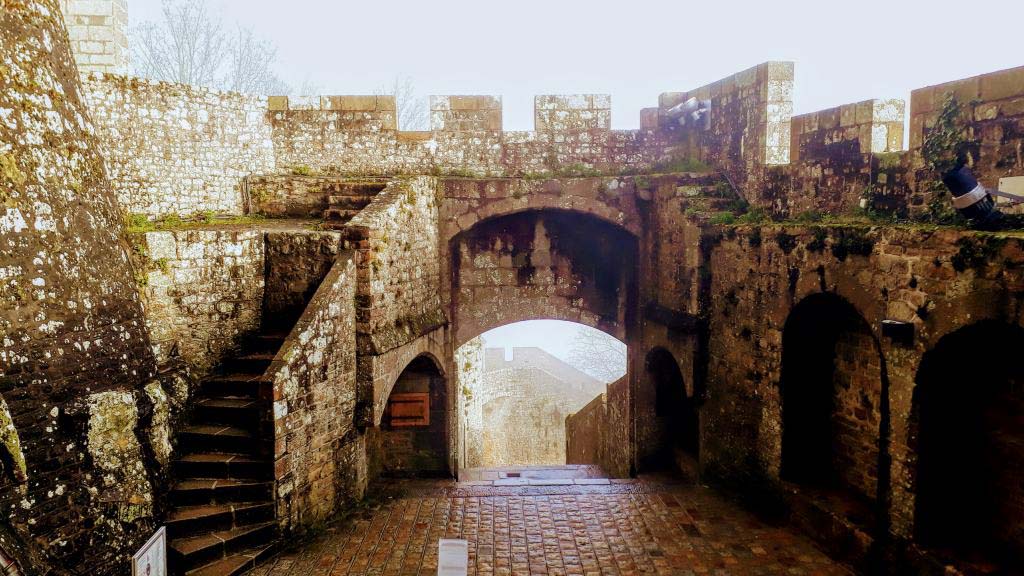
{"x": 312, "y": 383}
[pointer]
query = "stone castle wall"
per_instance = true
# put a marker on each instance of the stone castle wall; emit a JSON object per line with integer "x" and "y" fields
{"x": 933, "y": 280}
{"x": 75, "y": 356}
{"x": 203, "y": 292}
{"x": 536, "y": 265}
{"x": 359, "y": 135}
{"x": 718, "y": 298}
{"x": 176, "y": 149}
{"x": 748, "y": 128}
{"x": 599, "y": 432}
{"x": 469, "y": 374}
{"x": 296, "y": 264}
{"x": 399, "y": 267}
{"x": 989, "y": 128}
{"x": 835, "y": 159}
{"x": 319, "y": 458}
{"x": 206, "y": 290}
{"x": 515, "y": 411}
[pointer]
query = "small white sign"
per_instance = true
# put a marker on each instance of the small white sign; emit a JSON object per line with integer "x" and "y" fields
{"x": 452, "y": 557}
{"x": 1011, "y": 185}
{"x": 151, "y": 560}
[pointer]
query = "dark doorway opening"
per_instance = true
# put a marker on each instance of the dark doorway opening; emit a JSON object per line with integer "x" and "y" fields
{"x": 969, "y": 413}
{"x": 673, "y": 432}
{"x": 831, "y": 387}
{"x": 414, "y": 429}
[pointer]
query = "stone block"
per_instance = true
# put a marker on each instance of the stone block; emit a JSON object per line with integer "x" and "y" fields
{"x": 1002, "y": 85}
{"x": 965, "y": 91}
{"x": 563, "y": 102}
{"x": 922, "y": 101}
{"x": 848, "y": 115}
{"x": 670, "y": 99}
{"x": 829, "y": 119}
{"x": 440, "y": 103}
{"x": 277, "y": 103}
{"x": 349, "y": 103}
{"x": 91, "y": 7}
{"x": 304, "y": 103}
{"x": 649, "y": 119}
{"x": 779, "y": 70}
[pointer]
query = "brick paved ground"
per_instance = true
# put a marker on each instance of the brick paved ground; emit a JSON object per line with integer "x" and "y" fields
{"x": 613, "y": 528}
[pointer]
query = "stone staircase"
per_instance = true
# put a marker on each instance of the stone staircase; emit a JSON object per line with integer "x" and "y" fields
{"x": 222, "y": 519}
{"x": 346, "y": 200}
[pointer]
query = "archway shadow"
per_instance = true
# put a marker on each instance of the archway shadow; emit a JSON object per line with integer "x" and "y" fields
{"x": 967, "y": 429}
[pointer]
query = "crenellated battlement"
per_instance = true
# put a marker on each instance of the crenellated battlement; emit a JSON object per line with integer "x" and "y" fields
{"x": 454, "y": 113}
{"x": 824, "y": 160}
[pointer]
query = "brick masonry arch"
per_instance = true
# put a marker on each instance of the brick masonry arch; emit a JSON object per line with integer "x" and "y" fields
{"x": 412, "y": 435}
{"x": 831, "y": 388}
{"x": 467, "y": 203}
{"x": 965, "y": 429}
{"x": 391, "y": 366}
{"x": 543, "y": 264}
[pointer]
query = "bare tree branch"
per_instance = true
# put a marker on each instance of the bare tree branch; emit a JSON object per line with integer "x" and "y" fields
{"x": 189, "y": 45}
{"x": 413, "y": 112}
{"x": 598, "y": 354}
{"x": 248, "y": 67}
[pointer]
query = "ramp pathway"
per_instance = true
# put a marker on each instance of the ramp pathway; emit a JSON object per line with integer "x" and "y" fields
{"x": 558, "y": 521}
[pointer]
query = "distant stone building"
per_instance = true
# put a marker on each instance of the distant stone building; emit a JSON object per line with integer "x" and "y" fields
{"x": 516, "y": 413}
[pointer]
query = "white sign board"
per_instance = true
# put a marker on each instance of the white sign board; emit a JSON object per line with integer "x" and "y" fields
{"x": 151, "y": 560}
{"x": 452, "y": 557}
{"x": 1011, "y": 185}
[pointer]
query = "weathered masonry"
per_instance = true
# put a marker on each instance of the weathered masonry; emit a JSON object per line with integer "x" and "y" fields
{"x": 228, "y": 314}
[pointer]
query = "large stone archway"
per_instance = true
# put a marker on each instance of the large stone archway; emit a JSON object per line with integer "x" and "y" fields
{"x": 543, "y": 264}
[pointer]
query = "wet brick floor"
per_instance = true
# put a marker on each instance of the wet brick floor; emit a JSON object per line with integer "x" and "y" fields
{"x": 575, "y": 527}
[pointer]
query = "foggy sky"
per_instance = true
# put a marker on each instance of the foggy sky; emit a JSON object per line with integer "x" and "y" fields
{"x": 844, "y": 51}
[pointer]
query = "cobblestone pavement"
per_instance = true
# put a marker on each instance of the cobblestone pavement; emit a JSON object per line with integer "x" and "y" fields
{"x": 612, "y": 528}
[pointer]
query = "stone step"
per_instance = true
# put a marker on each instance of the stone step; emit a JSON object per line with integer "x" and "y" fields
{"x": 217, "y": 465}
{"x": 333, "y": 215}
{"x": 232, "y": 386}
{"x": 364, "y": 188}
{"x": 188, "y": 521}
{"x": 235, "y": 564}
{"x": 268, "y": 342}
{"x": 200, "y": 551}
{"x": 253, "y": 363}
{"x": 241, "y": 412}
{"x": 217, "y": 438}
{"x": 349, "y": 202}
{"x": 199, "y": 491}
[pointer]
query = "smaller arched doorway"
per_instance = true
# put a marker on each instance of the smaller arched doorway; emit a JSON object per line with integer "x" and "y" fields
{"x": 413, "y": 433}
{"x": 968, "y": 423}
{"x": 668, "y": 425}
